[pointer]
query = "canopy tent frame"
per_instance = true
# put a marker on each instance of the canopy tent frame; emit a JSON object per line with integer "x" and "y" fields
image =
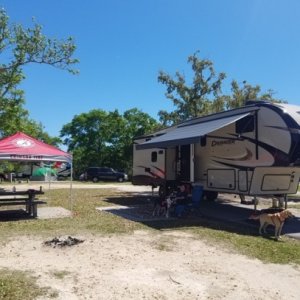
{"x": 21, "y": 147}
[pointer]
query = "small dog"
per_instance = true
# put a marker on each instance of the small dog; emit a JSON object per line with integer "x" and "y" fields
{"x": 163, "y": 206}
{"x": 171, "y": 200}
{"x": 160, "y": 207}
{"x": 276, "y": 219}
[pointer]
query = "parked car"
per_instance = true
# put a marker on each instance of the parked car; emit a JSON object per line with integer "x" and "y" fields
{"x": 103, "y": 173}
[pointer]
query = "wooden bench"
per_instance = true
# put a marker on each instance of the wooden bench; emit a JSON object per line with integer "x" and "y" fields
{"x": 8, "y": 203}
{"x": 32, "y": 211}
{"x": 12, "y": 199}
{"x": 26, "y": 198}
{"x": 34, "y": 206}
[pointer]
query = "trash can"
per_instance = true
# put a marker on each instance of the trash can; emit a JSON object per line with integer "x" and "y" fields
{"x": 197, "y": 194}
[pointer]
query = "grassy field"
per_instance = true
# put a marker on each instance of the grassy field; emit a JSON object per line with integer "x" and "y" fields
{"x": 16, "y": 285}
{"x": 87, "y": 219}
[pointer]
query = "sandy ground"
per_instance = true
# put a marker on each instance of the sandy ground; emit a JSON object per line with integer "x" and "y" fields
{"x": 147, "y": 265}
{"x": 123, "y": 187}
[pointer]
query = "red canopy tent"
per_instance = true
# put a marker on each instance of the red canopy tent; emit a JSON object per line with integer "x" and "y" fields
{"x": 22, "y": 147}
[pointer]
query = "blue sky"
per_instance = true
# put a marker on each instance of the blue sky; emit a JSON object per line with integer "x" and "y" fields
{"x": 123, "y": 44}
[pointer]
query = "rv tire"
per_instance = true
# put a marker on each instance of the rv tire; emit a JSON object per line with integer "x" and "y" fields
{"x": 211, "y": 195}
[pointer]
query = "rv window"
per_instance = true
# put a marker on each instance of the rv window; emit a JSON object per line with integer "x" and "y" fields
{"x": 245, "y": 124}
{"x": 154, "y": 156}
{"x": 161, "y": 152}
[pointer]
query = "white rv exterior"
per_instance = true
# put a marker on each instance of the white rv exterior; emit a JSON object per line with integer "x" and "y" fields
{"x": 154, "y": 166}
{"x": 253, "y": 150}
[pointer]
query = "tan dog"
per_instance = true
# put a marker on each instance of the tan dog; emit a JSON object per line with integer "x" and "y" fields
{"x": 276, "y": 219}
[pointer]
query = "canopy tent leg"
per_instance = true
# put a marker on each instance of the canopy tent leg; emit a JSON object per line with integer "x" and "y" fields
{"x": 71, "y": 190}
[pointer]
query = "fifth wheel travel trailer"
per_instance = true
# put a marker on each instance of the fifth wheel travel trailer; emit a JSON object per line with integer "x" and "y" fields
{"x": 252, "y": 150}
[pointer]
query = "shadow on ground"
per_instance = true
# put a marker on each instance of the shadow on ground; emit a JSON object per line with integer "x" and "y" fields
{"x": 14, "y": 215}
{"x": 139, "y": 209}
{"x": 220, "y": 214}
{"x": 43, "y": 213}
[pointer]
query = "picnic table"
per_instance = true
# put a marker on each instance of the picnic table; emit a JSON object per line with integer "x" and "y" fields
{"x": 26, "y": 198}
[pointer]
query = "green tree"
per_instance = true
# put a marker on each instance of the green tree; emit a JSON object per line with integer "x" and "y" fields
{"x": 137, "y": 123}
{"x": 100, "y": 138}
{"x": 194, "y": 100}
{"x": 19, "y": 47}
{"x": 85, "y": 137}
{"x": 204, "y": 95}
{"x": 241, "y": 94}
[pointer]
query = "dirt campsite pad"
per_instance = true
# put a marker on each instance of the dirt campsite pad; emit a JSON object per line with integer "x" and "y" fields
{"x": 148, "y": 265}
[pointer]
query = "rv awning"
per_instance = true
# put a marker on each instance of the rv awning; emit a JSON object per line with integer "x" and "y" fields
{"x": 189, "y": 134}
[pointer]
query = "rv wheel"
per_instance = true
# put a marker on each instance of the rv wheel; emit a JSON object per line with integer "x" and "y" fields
{"x": 211, "y": 196}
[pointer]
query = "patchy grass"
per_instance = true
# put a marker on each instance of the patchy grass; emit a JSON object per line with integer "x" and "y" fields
{"x": 296, "y": 206}
{"x": 241, "y": 240}
{"x": 285, "y": 251}
{"x": 86, "y": 219}
{"x": 15, "y": 285}
{"x": 294, "y": 201}
{"x": 60, "y": 274}
{"x": 85, "y": 216}
{"x": 164, "y": 243}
